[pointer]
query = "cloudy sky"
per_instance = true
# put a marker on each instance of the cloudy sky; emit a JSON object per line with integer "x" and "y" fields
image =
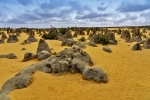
{"x": 63, "y": 13}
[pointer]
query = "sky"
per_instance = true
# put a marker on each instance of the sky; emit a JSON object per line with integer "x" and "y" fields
{"x": 80, "y": 13}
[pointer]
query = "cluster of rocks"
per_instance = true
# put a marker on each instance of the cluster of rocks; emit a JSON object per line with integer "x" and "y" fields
{"x": 43, "y": 52}
{"x": 10, "y": 56}
{"x": 73, "y": 60}
{"x": 136, "y": 36}
{"x": 30, "y": 39}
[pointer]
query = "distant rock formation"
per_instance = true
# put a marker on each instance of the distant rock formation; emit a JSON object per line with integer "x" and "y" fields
{"x": 4, "y": 36}
{"x": 126, "y": 35}
{"x": 12, "y": 39}
{"x": 136, "y": 36}
{"x": 1, "y": 41}
{"x": 31, "y": 37}
{"x": 146, "y": 44}
{"x": 119, "y": 31}
{"x": 67, "y": 35}
{"x": 112, "y": 39}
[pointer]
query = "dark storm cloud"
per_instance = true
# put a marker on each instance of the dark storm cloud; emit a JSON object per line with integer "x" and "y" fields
{"x": 92, "y": 15}
{"x": 133, "y": 7}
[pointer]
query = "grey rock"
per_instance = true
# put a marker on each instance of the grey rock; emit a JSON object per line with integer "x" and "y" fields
{"x": 43, "y": 55}
{"x": 93, "y": 44}
{"x": 107, "y": 49}
{"x": 94, "y": 73}
{"x": 11, "y": 56}
{"x": 27, "y": 56}
{"x": 137, "y": 46}
{"x": 43, "y": 45}
{"x": 4, "y": 97}
{"x": 26, "y": 42}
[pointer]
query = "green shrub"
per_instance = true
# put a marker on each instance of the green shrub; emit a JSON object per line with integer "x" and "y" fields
{"x": 103, "y": 39}
{"x": 82, "y": 39}
{"x": 62, "y": 30}
{"x": 49, "y": 36}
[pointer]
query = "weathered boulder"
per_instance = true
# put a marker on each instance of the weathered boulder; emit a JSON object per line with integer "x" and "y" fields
{"x": 43, "y": 45}
{"x": 146, "y": 44}
{"x": 75, "y": 34}
{"x": 26, "y": 42}
{"x": 11, "y": 56}
{"x": 31, "y": 37}
{"x": 107, "y": 49}
{"x": 1, "y": 41}
{"x": 12, "y": 39}
{"x": 67, "y": 35}
{"x": 137, "y": 46}
{"x": 2, "y": 56}
{"x": 79, "y": 44}
{"x": 94, "y": 73}
{"x": 90, "y": 36}
{"x": 69, "y": 42}
{"x": 93, "y": 44}
{"x": 72, "y": 60}
{"x": 23, "y": 49}
{"x": 126, "y": 35}
{"x": 4, "y": 36}
{"x": 119, "y": 31}
{"x": 4, "y": 97}
{"x": 136, "y": 39}
{"x": 43, "y": 55}
{"x": 136, "y": 32}
{"x": 27, "y": 56}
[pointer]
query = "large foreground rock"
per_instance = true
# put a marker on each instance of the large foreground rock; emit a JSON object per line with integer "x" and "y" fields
{"x": 73, "y": 60}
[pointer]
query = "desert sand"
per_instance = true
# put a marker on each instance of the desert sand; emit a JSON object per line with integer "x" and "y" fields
{"x": 128, "y": 74}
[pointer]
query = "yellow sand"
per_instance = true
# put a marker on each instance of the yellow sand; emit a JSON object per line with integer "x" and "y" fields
{"x": 128, "y": 74}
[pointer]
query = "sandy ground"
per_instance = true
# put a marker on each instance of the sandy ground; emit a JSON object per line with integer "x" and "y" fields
{"x": 128, "y": 74}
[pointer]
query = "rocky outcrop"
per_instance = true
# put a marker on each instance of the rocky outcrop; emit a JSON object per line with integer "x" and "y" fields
{"x": 136, "y": 36}
{"x": 26, "y": 42}
{"x": 27, "y": 56}
{"x": 93, "y": 44}
{"x": 126, "y": 35}
{"x": 1, "y": 41}
{"x": 43, "y": 55}
{"x": 73, "y": 60}
{"x": 31, "y": 37}
{"x": 3, "y": 36}
{"x": 146, "y": 44}
{"x": 12, "y": 39}
{"x": 68, "y": 42}
{"x": 43, "y": 45}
